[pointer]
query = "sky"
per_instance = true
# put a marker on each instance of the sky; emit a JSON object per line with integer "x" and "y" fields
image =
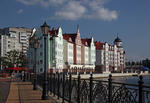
{"x": 101, "y": 19}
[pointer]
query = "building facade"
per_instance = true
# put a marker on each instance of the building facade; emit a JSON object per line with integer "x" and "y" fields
{"x": 110, "y": 58}
{"x": 14, "y": 39}
{"x": 70, "y": 53}
{"x": 80, "y": 56}
{"x": 65, "y": 52}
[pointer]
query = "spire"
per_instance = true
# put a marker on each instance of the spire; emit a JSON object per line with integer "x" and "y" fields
{"x": 78, "y": 31}
{"x": 117, "y": 35}
{"x": 45, "y": 24}
{"x": 117, "y": 39}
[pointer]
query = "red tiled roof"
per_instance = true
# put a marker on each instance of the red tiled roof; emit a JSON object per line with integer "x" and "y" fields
{"x": 99, "y": 45}
{"x": 53, "y": 32}
{"x": 72, "y": 36}
{"x": 88, "y": 40}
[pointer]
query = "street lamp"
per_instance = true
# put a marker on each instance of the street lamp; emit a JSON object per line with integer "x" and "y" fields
{"x": 34, "y": 42}
{"x": 45, "y": 30}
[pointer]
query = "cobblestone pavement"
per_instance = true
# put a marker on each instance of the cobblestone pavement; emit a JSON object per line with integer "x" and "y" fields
{"x": 22, "y": 92}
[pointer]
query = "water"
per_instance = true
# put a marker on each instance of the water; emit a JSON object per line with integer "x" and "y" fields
{"x": 132, "y": 89}
{"x": 134, "y": 80}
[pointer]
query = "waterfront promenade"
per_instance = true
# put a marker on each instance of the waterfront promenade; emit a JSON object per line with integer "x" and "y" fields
{"x": 22, "y": 92}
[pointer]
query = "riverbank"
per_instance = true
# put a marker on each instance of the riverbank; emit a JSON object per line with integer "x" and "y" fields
{"x": 106, "y": 75}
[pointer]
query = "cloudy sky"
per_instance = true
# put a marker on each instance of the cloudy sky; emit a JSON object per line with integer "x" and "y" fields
{"x": 102, "y": 19}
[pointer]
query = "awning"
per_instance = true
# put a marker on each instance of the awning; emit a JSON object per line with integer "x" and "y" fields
{"x": 17, "y": 68}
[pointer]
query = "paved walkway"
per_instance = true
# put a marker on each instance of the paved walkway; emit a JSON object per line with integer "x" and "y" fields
{"x": 22, "y": 92}
{"x": 4, "y": 89}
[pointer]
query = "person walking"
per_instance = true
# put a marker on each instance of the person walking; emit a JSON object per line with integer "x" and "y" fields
{"x": 13, "y": 76}
{"x": 22, "y": 75}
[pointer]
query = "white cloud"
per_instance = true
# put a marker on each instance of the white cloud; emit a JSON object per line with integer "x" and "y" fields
{"x": 72, "y": 11}
{"x": 20, "y": 11}
{"x": 43, "y": 3}
{"x": 77, "y": 9}
{"x": 103, "y": 14}
{"x": 106, "y": 14}
{"x": 29, "y": 2}
{"x": 100, "y": 12}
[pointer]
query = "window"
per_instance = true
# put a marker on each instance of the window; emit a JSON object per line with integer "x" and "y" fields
{"x": 41, "y": 45}
{"x": 41, "y": 53}
{"x": 13, "y": 31}
{"x": 79, "y": 41}
{"x": 41, "y": 61}
{"x": 8, "y": 46}
{"x": 41, "y": 69}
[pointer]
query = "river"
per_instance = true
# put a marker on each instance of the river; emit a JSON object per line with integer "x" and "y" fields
{"x": 132, "y": 80}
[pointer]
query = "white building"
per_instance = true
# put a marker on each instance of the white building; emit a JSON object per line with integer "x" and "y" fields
{"x": 56, "y": 50}
{"x": 14, "y": 39}
{"x": 110, "y": 58}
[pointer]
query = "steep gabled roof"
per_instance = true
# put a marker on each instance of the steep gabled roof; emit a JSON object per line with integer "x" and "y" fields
{"x": 88, "y": 40}
{"x": 99, "y": 45}
{"x": 72, "y": 36}
{"x": 53, "y": 32}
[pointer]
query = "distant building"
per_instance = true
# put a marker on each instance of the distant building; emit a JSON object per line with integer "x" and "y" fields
{"x": 65, "y": 52}
{"x": 110, "y": 58}
{"x": 14, "y": 38}
{"x": 80, "y": 56}
{"x": 69, "y": 52}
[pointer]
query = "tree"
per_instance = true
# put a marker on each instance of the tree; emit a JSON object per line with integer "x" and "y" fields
{"x": 133, "y": 63}
{"x": 12, "y": 58}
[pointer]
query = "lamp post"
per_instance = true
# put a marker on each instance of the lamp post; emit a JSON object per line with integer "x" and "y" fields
{"x": 34, "y": 42}
{"x": 45, "y": 30}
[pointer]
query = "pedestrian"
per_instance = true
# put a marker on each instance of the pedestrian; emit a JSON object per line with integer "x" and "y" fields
{"x": 22, "y": 75}
{"x": 13, "y": 75}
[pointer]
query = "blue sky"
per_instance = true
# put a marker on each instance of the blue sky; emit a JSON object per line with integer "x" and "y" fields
{"x": 102, "y": 19}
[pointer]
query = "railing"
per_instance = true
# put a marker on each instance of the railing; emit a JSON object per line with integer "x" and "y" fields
{"x": 95, "y": 91}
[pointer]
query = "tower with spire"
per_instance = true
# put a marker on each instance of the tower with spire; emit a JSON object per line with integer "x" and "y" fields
{"x": 78, "y": 31}
{"x": 118, "y": 42}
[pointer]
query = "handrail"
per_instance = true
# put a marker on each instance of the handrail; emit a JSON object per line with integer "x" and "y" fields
{"x": 81, "y": 91}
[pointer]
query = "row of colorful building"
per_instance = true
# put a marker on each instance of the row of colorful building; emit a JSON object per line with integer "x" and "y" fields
{"x": 69, "y": 52}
